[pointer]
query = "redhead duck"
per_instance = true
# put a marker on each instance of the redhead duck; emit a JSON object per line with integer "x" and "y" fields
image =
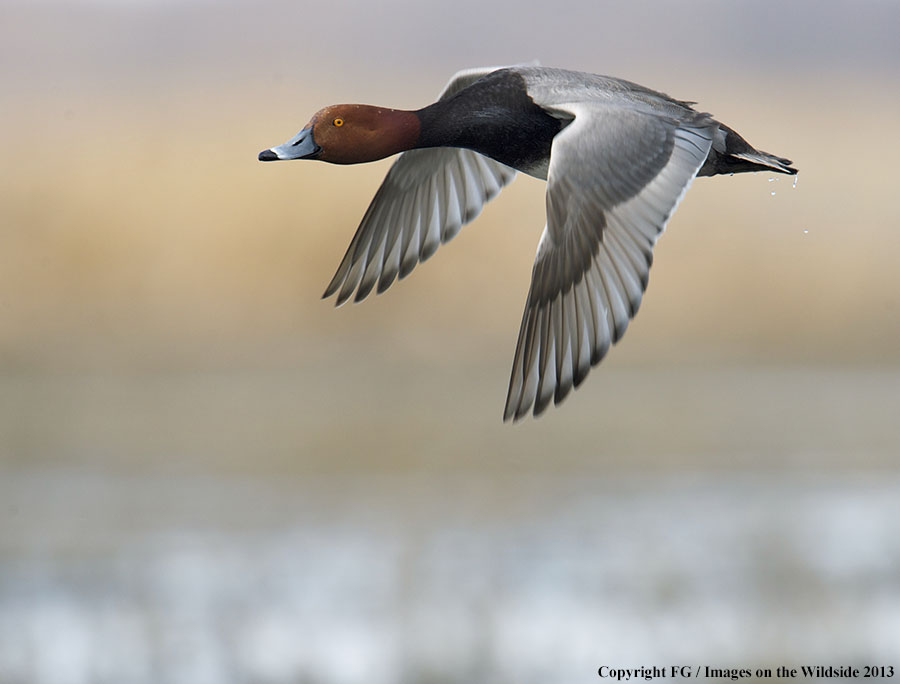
{"x": 617, "y": 158}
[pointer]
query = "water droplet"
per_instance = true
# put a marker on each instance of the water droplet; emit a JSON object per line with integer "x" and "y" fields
{"x": 773, "y": 193}
{"x": 771, "y": 180}
{"x": 805, "y": 231}
{"x": 795, "y": 181}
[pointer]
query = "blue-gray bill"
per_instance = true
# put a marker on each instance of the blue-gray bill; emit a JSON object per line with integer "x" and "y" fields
{"x": 301, "y": 146}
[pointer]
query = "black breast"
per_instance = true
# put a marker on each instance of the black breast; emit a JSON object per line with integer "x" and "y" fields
{"x": 494, "y": 116}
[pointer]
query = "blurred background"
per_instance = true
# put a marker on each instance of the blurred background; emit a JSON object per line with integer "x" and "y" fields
{"x": 207, "y": 474}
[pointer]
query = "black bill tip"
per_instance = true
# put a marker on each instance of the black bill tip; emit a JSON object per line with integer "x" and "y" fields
{"x": 268, "y": 155}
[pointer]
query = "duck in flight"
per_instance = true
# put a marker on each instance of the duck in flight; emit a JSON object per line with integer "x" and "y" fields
{"x": 617, "y": 158}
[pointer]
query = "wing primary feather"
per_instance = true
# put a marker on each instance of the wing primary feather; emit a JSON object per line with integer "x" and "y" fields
{"x": 547, "y": 384}
{"x": 371, "y": 273}
{"x": 350, "y": 282}
{"x": 586, "y": 337}
{"x": 626, "y": 273}
{"x": 406, "y": 221}
{"x": 533, "y": 353}
{"x": 391, "y": 268}
{"x": 373, "y": 213}
{"x": 529, "y": 390}
{"x": 518, "y": 403}
{"x": 474, "y": 187}
{"x": 599, "y": 304}
{"x": 607, "y": 322}
{"x": 453, "y": 219}
{"x": 519, "y": 370}
{"x": 566, "y": 352}
{"x": 614, "y": 290}
{"x": 489, "y": 181}
{"x": 394, "y": 220}
{"x": 397, "y": 249}
{"x": 431, "y": 238}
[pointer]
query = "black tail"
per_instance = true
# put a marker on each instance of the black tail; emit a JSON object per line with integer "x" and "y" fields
{"x": 730, "y": 153}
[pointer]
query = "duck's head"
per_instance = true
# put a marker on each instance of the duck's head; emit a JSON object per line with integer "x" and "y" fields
{"x": 350, "y": 134}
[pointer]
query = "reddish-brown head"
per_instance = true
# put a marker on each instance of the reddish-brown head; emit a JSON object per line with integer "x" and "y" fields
{"x": 350, "y": 134}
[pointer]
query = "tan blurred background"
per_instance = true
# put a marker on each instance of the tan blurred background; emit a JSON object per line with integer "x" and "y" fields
{"x": 162, "y": 339}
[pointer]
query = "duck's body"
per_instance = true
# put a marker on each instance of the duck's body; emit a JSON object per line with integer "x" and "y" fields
{"x": 618, "y": 157}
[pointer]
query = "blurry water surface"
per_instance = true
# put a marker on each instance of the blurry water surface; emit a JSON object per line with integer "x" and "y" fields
{"x": 414, "y": 579}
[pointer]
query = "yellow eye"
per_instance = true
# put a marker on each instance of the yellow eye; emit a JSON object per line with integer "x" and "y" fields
{"x": 338, "y": 122}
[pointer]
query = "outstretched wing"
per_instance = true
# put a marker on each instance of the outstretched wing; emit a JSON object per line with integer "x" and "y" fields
{"x": 616, "y": 176}
{"x": 426, "y": 197}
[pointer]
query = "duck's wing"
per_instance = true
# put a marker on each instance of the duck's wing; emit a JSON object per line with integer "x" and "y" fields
{"x": 426, "y": 197}
{"x": 615, "y": 177}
